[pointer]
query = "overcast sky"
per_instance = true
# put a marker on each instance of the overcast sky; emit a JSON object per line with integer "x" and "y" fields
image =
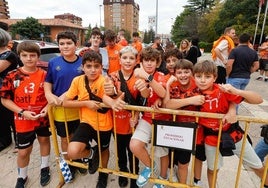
{"x": 89, "y": 11}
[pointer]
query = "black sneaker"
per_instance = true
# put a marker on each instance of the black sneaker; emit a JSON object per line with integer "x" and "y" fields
{"x": 123, "y": 181}
{"x": 82, "y": 171}
{"x": 93, "y": 163}
{"x": 21, "y": 183}
{"x": 45, "y": 176}
{"x": 73, "y": 172}
{"x": 102, "y": 180}
{"x": 133, "y": 183}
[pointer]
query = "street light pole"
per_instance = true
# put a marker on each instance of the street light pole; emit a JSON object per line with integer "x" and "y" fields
{"x": 100, "y": 14}
{"x": 156, "y": 17}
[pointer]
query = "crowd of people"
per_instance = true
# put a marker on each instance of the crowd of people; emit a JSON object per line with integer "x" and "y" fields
{"x": 120, "y": 73}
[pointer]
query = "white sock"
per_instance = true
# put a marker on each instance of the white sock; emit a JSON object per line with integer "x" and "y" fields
{"x": 22, "y": 172}
{"x": 44, "y": 161}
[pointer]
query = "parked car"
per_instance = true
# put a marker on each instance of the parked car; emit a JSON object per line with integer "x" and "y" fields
{"x": 48, "y": 51}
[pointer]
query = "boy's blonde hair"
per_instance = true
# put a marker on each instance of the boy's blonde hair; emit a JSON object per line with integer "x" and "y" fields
{"x": 206, "y": 67}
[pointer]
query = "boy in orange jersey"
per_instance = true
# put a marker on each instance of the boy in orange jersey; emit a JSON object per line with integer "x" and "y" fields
{"x": 113, "y": 50}
{"x": 133, "y": 88}
{"x": 150, "y": 59}
{"x": 217, "y": 100}
{"x": 86, "y": 93}
{"x": 23, "y": 93}
{"x": 137, "y": 44}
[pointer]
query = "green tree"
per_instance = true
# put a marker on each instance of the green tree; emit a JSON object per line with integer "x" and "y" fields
{"x": 200, "y": 7}
{"x": 29, "y": 28}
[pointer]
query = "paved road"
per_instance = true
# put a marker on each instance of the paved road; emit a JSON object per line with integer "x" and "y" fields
{"x": 225, "y": 178}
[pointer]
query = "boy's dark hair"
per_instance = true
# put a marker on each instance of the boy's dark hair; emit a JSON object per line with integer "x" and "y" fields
{"x": 244, "y": 38}
{"x": 174, "y": 52}
{"x": 96, "y": 31}
{"x": 150, "y": 53}
{"x": 91, "y": 56}
{"x": 109, "y": 35}
{"x": 206, "y": 67}
{"x": 67, "y": 35}
{"x": 28, "y": 46}
{"x": 135, "y": 34}
{"x": 184, "y": 64}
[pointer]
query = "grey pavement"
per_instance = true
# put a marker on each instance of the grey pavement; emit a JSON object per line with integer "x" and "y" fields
{"x": 226, "y": 176}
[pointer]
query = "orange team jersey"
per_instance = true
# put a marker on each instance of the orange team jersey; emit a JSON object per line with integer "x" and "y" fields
{"x": 122, "y": 118}
{"x": 29, "y": 94}
{"x": 217, "y": 101}
{"x": 138, "y": 46}
{"x": 176, "y": 92}
{"x": 114, "y": 59}
{"x": 93, "y": 118}
{"x": 147, "y": 116}
{"x": 123, "y": 42}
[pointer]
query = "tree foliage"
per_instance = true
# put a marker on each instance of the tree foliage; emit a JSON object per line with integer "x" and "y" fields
{"x": 29, "y": 28}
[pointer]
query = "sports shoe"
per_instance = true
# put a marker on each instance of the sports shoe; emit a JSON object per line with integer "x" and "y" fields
{"x": 158, "y": 186}
{"x": 198, "y": 183}
{"x": 123, "y": 181}
{"x": 21, "y": 183}
{"x": 93, "y": 162}
{"x": 82, "y": 171}
{"x": 133, "y": 183}
{"x": 44, "y": 176}
{"x": 102, "y": 180}
{"x": 73, "y": 172}
{"x": 144, "y": 176}
{"x": 260, "y": 78}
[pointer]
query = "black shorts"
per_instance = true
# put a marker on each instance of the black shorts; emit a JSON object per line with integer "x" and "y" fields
{"x": 85, "y": 134}
{"x": 60, "y": 126}
{"x": 182, "y": 156}
{"x": 263, "y": 64}
{"x": 25, "y": 140}
{"x": 200, "y": 152}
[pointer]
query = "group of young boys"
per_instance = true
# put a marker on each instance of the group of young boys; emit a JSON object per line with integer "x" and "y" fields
{"x": 76, "y": 87}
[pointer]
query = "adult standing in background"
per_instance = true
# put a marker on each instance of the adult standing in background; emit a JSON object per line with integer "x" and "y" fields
{"x": 184, "y": 48}
{"x": 8, "y": 61}
{"x": 263, "y": 52}
{"x": 220, "y": 52}
{"x": 241, "y": 63}
{"x": 194, "y": 51}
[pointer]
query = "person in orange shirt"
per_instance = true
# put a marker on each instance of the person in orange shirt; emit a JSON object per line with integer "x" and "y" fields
{"x": 86, "y": 92}
{"x": 121, "y": 38}
{"x": 137, "y": 44}
{"x": 113, "y": 50}
{"x": 23, "y": 93}
{"x": 134, "y": 89}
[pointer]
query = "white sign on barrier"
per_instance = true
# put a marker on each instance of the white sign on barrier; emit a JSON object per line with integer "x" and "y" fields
{"x": 177, "y": 135}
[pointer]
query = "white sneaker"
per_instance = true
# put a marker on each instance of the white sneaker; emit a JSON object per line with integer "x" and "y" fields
{"x": 199, "y": 184}
{"x": 174, "y": 177}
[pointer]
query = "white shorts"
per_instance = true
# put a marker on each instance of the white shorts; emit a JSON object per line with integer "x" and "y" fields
{"x": 143, "y": 132}
{"x": 250, "y": 157}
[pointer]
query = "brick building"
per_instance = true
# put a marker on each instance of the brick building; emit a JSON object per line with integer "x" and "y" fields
{"x": 121, "y": 14}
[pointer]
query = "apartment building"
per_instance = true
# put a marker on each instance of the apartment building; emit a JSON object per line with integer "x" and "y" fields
{"x": 121, "y": 14}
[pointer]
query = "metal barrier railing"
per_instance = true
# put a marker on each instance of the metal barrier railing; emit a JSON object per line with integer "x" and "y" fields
{"x": 174, "y": 113}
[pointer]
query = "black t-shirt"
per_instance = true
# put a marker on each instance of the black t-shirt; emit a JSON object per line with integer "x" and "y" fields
{"x": 12, "y": 58}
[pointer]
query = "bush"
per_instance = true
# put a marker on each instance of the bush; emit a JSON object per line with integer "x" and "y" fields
{"x": 206, "y": 46}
